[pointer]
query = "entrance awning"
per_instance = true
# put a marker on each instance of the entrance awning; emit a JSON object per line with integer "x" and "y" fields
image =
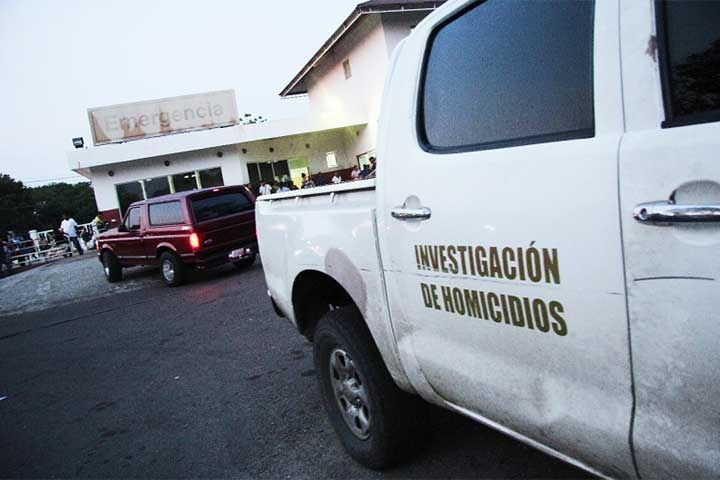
{"x": 81, "y": 160}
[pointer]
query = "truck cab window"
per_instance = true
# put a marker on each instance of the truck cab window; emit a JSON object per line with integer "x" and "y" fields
{"x": 498, "y": 75}
{"x": 689, "y": 34}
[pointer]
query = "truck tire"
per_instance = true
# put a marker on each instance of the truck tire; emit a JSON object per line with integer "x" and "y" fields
{"x": 244, "y": 263}
{"x": 377, "y": 423}
{"x": 112, "y": 268}
{"x": 172, "y": 269}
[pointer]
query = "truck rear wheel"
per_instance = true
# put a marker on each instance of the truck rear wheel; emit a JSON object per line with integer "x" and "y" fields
{"x": 172, "y": 269}
{"x": 375, "y": 420}
{"x": 112, "y": 268}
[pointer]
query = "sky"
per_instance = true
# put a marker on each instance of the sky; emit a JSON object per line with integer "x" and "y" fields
{"x": 59, "y": 58}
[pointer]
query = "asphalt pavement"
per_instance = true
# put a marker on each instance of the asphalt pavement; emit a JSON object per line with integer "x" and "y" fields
{"x": 138, "y": 380}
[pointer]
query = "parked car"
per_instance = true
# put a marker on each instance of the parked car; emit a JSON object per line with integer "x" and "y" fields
{"x": 539, "y": 252}
{"x": 196, "y": 229}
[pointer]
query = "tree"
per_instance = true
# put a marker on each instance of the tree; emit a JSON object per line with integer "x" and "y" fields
{"x": 51, "y": 201}
{"x": 41, "y": 208}
{"x": 16, "y": 207}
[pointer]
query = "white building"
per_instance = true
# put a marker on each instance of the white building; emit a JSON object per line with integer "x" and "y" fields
{"x": 343, "y": 82}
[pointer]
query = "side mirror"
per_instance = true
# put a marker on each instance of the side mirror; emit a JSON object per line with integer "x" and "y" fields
{"x": 122, "y": 228}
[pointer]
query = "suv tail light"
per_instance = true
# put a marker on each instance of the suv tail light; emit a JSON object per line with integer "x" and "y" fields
{"x": 195, "y": 242}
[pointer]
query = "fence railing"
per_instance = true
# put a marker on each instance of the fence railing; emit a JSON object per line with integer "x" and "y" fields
{"x": 45, "y": 247}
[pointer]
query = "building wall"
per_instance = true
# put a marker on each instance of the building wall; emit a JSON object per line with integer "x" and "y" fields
{"x": 330, "y": 92}
{"x": 233, "y": 169}
{"x": 397, "y": 26}
{"x": 233, "y": 161}
{"x": 368, "y": 47}
{"x": 318, "y": 144}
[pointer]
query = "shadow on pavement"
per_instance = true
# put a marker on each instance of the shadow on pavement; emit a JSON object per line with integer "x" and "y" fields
{"x": 477, "y": 452}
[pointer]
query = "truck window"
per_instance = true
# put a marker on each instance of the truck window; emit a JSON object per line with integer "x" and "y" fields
{"x": 165, "y": 213}
{"x": 132, "y": 222}
{"x": 497, "y": 75}
{"x": 221, "y": 205}
{"x": 689, "y": 47}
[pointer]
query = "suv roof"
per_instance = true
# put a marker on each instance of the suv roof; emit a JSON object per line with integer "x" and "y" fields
{"x": 180, "y": 195}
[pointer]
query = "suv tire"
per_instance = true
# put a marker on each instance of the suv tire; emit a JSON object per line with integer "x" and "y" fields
{"x": 376, "y": 421}
{"x": 172, "y": 269}
{"x": 112, "y": 268}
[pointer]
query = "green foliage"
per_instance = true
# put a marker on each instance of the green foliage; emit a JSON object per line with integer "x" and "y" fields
{"x": 23, "y": 208}
{"x": 16, "y": 206}
{"x": 51, "y": 201}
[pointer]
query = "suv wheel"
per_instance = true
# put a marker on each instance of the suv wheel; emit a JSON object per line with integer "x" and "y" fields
{"x": 112, "y": 268}
{"x": 172, "y": 269}
{"x": 375, "y": 420}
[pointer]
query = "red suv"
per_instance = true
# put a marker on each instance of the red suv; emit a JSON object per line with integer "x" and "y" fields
{"x": 197, "y": 229}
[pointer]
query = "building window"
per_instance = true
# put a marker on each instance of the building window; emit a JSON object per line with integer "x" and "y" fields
{"x": 346, "y": 68}
{"x": 690, "y": 61}
{"x": 281, "y": 170}
{"x": 331, "y": 160}
{"x": 253, "y": 173}
{"x": 266, "y": 172}
{"x": 525, "y": 76}
{"x": 185, "y": 181}
{"x": 211, "y": 177}
{"x": 128, "y": 193}
{"x": 154, "y": 187}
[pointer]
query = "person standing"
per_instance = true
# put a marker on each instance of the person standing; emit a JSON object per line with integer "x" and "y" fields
{"x": 364, "y": 172}
{"x": 307, "y": 182}
{"x": 5, "y": 257}
{"x": 265, "y": 189}
{"x": 69, "y": 229}
{"x": 355, "y": 173}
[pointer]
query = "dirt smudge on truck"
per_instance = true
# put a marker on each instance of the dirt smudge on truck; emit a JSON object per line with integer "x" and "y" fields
{"x": 340, "y": 267}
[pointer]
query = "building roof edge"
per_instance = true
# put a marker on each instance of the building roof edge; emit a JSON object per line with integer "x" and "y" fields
{"x": 366, "y": 8}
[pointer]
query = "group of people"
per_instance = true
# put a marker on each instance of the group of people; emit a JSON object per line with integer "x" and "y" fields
{"x": 14, "y": 247}
{"x": 308, "y": 181}
{"x": 368, "y": 171}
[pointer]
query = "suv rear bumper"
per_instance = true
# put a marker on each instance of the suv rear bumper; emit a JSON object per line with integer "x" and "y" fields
{"x": 220, "y": 258}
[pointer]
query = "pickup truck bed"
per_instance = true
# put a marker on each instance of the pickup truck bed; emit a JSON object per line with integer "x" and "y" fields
{"x": 307, "y": 226}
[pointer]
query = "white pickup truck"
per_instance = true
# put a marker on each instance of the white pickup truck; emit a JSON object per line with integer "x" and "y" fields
{"x": 540, "y": 250}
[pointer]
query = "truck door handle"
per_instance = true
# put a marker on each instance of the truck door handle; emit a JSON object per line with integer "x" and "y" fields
{"x": 402, "y": 213}
{"x": 667, "y": 212}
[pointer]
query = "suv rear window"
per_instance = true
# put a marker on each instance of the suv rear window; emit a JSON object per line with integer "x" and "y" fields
{"x": 221, "y": 205}
{"x": 166, "y": 213}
